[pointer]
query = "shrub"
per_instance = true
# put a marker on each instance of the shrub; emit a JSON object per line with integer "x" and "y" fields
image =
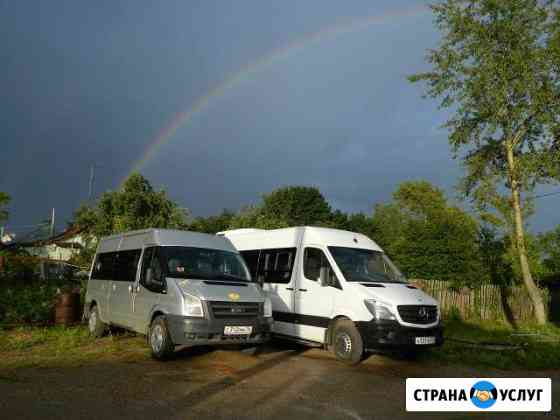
{"x": 454, "y": 314}
{"x": 29, "y": 302}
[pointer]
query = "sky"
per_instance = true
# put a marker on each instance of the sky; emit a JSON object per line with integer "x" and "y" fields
{"x": 258, "y": 95}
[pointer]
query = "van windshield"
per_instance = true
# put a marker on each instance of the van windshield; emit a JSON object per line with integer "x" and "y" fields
{"x": 203, "y": 263}
{"x": 365, "y": 265}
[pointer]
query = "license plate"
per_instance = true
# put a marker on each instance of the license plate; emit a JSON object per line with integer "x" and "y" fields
{"x": 229, "y": 330}
{"x": 425, "y": 340}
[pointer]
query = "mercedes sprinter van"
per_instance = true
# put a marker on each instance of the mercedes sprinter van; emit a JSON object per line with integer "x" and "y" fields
{"x": 177, "y": 288}
{"x": 339, "y": 290}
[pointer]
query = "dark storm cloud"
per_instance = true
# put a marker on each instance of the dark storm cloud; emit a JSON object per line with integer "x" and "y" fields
{"x": 87, "y": 83}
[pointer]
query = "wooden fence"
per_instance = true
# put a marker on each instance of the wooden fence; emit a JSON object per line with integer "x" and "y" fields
{"x": 487, "y": 301}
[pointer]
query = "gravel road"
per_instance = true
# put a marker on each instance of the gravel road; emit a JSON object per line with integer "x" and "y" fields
{"x": 273, "y": 382}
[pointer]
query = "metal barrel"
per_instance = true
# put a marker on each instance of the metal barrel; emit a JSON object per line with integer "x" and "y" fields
{"x": 67, "y": 309}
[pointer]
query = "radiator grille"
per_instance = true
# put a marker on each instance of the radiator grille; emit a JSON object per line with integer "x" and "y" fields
{"x": 234, "y": 309}
{"x": 418, "y": 314}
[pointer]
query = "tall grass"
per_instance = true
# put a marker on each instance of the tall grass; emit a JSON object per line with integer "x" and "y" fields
{"x": 526, "y": 347}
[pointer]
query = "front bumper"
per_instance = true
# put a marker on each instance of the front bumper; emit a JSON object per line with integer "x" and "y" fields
{"x": 390, "y": 334}
{"x": 204, "y": 331}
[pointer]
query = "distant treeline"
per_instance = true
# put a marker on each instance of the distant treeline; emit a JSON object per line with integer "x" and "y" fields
{"x": 426, "y": 235}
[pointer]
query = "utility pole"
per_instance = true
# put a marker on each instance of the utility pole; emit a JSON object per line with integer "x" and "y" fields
{"x": 52, "y": 223}
{"x": 91, "y": 178}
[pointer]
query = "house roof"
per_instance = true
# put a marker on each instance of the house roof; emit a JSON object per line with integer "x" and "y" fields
{"x": 59, "y": 239}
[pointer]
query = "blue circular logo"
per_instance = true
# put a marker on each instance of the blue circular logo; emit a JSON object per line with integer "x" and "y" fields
{"x": 483, "y": 394}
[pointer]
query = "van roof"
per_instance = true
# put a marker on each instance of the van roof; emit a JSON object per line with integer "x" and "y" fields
{"x": 245, "y": 239}
{"x": 164, "y": 237}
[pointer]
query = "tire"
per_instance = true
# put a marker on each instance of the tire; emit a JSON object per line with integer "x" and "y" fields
{"x": 96, "y": 327}
{"x": 347, "y": 344}
{"x": 159, "y": 339}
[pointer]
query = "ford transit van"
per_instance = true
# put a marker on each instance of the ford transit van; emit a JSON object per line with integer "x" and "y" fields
{"x": 339, "y": 290}
{"x": 177, "y": 288}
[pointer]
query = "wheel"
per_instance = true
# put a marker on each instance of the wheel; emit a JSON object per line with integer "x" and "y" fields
{"x": 160, "y": 340}
{"x": 96, "y": 327}
{"x": 347, "y": 343}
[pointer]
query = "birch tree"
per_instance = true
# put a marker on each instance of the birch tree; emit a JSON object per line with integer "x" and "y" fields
{"x": 497, "y": 71}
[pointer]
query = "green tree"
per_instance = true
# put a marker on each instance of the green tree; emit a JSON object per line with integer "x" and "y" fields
{"x": 427, "y": 237}
{"x": 297, "y": 206}
{"x": 213, "y": 224}
{"x": 254, "y": 217}
{"x": 494, "y": 252}
{"x": 356, "y": 222}
{"x": 388, "y": 223}
{"x": 497, "y": 69}
{"x": 549, "y": 243}
{"x": 4, "y": 201}
{"x": 285, "y": 207}
{"x": 135, "y": 206}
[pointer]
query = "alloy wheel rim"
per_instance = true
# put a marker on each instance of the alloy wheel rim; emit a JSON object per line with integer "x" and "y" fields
{"x": 157, "y": 338}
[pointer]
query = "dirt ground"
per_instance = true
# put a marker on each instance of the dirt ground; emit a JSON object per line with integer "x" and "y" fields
{"x": 274, "y": 382}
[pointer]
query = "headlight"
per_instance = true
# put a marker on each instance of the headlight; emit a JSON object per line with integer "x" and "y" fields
{"x": 267, "y": 308}
{"x": 193, "y": 306}
{"x": 380, "y": 310}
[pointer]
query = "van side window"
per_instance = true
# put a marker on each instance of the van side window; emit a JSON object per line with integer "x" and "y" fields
{"x": 313, "y": 260}
{"x": 127, "y": 264}
{"x": 276, "y": 265}
{"x": 104, "y": 268}
{"x": 151, "y": 260}
{"x": 252, "y": 260}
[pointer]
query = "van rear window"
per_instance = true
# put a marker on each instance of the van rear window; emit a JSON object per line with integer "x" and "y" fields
{"x": 275, "y": 265}
{"x": 116, "y": 266}
{"x": 104, "y": 267}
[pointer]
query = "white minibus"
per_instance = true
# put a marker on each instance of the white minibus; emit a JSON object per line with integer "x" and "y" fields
{"x": 339, "y": 290}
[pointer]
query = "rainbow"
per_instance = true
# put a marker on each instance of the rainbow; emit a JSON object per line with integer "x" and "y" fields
{"x": 184, "y": 117}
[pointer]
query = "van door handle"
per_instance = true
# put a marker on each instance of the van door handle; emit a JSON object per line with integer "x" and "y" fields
{"x": 303, "y": 290}
{"x": 114, "y": 287}
{"x": 289, "y": 288}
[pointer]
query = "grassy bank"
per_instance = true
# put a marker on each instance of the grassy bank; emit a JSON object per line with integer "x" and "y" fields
{"x": 60, "y": 346}
{"x": 496, "y": 345}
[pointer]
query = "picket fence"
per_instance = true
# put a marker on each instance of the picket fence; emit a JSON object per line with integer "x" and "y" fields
{"x": 487, "y": 302}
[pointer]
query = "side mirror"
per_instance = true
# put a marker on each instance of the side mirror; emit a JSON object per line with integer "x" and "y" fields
{"x": 156, "y": 283}
{"x": 324, "y": 276}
